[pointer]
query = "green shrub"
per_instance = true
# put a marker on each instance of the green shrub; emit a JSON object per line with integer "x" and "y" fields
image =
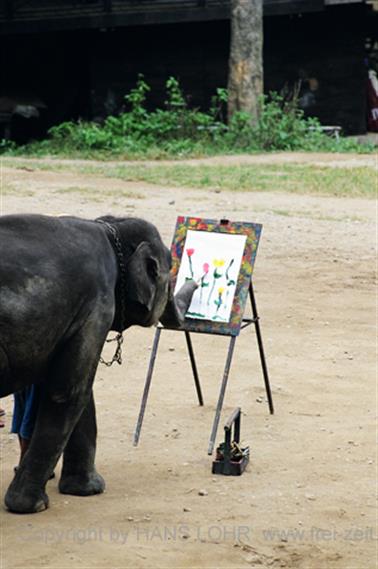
{"x": 177, "y": 130}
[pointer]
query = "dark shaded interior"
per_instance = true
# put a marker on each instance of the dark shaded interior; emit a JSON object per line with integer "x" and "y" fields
{"x": 86, "y": 73}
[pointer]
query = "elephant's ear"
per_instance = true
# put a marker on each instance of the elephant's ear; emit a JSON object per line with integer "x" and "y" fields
{"x": 142, "y": 272}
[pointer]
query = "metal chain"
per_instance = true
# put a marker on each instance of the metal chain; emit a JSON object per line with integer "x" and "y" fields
{"x": 118, "y": 352}
{"x": 117, "y": 245}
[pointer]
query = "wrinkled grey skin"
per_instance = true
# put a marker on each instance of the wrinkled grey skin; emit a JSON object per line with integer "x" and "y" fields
{"x": 57, "y": 304}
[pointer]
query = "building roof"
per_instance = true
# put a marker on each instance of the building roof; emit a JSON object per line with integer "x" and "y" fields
{"x": 41, "y": 15}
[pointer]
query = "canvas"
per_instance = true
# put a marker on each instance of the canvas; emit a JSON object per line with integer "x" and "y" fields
{"x": 219, "y": 255}
{"x": 213, "y": 260}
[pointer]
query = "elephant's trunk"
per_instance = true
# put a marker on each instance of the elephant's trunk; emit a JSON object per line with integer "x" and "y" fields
{"x": 177, "y": 305}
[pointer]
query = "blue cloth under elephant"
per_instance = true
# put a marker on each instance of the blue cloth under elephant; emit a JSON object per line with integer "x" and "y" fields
{"x": 25, "y": 411}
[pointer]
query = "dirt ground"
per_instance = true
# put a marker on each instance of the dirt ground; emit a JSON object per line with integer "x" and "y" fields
{"x": 308, "y": 497}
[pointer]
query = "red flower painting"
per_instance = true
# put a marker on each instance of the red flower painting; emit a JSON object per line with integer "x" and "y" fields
{"x": 190, "y": 252}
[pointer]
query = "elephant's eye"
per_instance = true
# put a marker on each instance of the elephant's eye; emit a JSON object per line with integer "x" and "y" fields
{"x": 152, "y": 268}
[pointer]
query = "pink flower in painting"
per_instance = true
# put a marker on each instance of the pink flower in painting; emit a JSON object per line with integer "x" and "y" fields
{"x": 189, "y": 252}
{"x": 205, "y": 268}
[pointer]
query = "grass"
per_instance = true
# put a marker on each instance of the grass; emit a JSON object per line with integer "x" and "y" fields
{"x": 298, "y": 179}
{"x": 96, "y": 192}
{"x": 316, "y": 216}
{"x": 287, "y": 178}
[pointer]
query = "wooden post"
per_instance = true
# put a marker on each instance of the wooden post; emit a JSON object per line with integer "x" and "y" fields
{"x": 245, "y": 80}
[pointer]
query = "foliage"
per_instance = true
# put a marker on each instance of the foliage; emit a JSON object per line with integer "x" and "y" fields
{"x": 176, "y": 130}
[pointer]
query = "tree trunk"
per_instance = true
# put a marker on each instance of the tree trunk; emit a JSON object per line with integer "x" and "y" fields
{"x": 245, "y": 79}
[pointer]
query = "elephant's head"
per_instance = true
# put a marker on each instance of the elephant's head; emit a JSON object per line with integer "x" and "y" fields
{"x": 149, "y": 297}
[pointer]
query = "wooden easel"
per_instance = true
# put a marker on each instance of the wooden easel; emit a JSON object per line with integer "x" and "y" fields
{"x": 245, "y": 323}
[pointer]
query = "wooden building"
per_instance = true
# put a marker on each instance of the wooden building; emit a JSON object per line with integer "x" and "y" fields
{"x": 80, "y": 57}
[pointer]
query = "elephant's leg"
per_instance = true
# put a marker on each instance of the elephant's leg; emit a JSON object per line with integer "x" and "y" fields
{"x": 64, "y": 397}
{"x": 26, "y": 493}
{"x": 79, "y": 476}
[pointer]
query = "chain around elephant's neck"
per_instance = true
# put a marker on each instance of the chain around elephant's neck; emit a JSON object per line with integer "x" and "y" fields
{"x": 115, "y": 240}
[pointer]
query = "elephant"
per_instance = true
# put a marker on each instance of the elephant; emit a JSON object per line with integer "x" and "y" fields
{"x": 65, "y": 282}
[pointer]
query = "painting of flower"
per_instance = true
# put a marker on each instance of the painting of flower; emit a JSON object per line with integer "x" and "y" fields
{"x": 218, "y": 263}
{"x": 203, "y": 282}
{"x": 218, "y": 302}
{"x": 213, "y": 260}
{"x": 235, "y": 243}
{"x": 190, "y": 253}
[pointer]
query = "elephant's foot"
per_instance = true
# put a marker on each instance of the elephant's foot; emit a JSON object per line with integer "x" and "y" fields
{"x": 26, "y": 500}
{"x": 82, "y": 484}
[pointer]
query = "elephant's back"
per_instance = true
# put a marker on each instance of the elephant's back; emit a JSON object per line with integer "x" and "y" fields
{"x": 51, "y": 274}
{"x": 40, "y": 253}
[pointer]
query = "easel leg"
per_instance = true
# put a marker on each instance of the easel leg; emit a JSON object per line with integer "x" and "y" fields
{"x": 261, "y": 349}
{"x": 221, "y": 395}
{"x": 194, "y": 367}
{"x": 147, "y": 386}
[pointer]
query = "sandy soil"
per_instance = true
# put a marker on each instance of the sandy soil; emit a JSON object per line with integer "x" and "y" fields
{"x": 308, "y": 498}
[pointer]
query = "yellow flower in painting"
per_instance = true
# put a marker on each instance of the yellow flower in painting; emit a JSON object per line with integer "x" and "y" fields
{"x": 220, "y": 290}
{"x": 218, "y": 262}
